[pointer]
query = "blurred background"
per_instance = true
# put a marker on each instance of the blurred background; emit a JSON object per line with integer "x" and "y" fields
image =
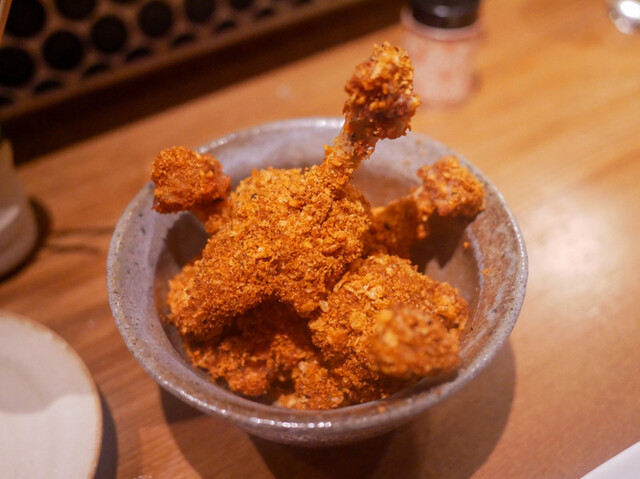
{"x": 112, "y": 61}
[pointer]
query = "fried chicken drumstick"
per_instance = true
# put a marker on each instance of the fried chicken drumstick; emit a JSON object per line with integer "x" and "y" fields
{"x": 292, "y": 234}
{"x": 347, "y": 333}
{"x": 447, "y": 190}
{"x": 188, "y": 181}
{"x": 303, "y": 295}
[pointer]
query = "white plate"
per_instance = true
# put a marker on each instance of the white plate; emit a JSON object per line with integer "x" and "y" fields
{"x": 625, "y": 465}
{"x": 50, "y": 413}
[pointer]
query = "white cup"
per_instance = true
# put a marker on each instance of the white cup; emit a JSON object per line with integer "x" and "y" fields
{"x": 18, "y": 228}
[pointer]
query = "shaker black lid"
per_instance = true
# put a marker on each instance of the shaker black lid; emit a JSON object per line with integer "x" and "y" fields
{"x": 445, "y": 13}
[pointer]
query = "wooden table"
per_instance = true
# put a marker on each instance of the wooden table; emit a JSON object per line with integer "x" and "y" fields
{"x": 555, "y": 123}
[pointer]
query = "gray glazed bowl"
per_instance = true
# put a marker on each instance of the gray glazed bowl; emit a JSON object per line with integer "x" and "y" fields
{"x": 486, "y": 261}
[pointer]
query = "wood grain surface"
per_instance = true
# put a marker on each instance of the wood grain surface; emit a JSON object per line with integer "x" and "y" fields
{"x": 554, "y": 121}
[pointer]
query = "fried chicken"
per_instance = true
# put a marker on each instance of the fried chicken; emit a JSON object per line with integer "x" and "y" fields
{"x": 302, "y": 295}
{"x": 345, "y": 330}
{"x": 267, "y": 346}
{"x": 315, "y": 387}
{"x": 270, "y": 355}
{"x": 448, "y": 190}
{"x": 411, "y": 344}
{"x": 380, "y": 104}
{"x": 293, "y": 233}
{"x": 188, "y": 181}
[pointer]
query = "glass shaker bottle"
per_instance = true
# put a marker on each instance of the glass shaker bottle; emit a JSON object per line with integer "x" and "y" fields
{"x": 441, "y": 37}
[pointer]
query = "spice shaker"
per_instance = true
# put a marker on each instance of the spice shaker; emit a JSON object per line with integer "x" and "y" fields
{"x": 442, "y": 37}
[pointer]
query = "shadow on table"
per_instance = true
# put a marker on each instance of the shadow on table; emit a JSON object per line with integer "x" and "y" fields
{"x": 108, "y": 460}
{"x": 451, "y": 440}
{"x": 213, "y": 447}
{"x": 75, "y": 240}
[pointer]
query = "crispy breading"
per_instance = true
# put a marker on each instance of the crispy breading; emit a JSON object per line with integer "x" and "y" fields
{"x": 315, "y": 387}
{"x": 286, "y": 241}
{"x": 380, "y": 103}
{"x": 345, "y": 329}
{"x": 299, "y": 297}
{"x": 177, "y": 295}
{"x": 270, "y": 355}
{"x": 396, "y": 227}
{"x": 188, "y": 181}
{"x": 448, "y": 190}
{"x": 268, "y": 345}
{"x": 411, "y": 344}
{"x": 293, "y": 233}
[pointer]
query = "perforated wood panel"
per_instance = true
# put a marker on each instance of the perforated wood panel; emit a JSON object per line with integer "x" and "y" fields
{"x": 53, "y": 48}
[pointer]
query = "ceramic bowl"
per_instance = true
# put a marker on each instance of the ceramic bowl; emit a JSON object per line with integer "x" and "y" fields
{"x": 486, "y": 261}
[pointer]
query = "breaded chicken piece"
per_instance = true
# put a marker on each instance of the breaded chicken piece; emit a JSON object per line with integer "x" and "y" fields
{"x": 177, "y": 296}
{"x": 285, "y": 242}
{"x": 270, "y": 343}
{"x": 293, "y": 233}
{"x": 380, "y": 104}
{"x": 270, "y": 355}
{"x": 411, "y": 344}
{"x": 315, "y": 387}
{"x": 448, "y": 190}
{"x": 396, "y": 227}
{"x": 188, "y": 181}
{"x": 346, "y": 327}
{"x": 309, "y": 319}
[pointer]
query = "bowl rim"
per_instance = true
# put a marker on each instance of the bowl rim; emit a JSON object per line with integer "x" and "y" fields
{"x": 250, "y": 414}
